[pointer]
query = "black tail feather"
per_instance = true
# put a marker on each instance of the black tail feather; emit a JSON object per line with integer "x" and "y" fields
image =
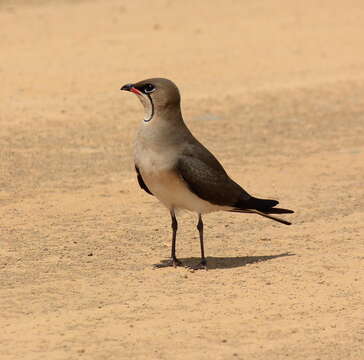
{"x": 253, "y": 211}
{"x": 275, "y": 218}
{"x": 262, "y": 207}
{"x": 258, "y": 204}
{"x": 278, "y": 211}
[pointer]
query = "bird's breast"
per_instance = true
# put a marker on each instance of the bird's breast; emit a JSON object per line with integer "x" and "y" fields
{"x": 153, "y": 155}
{"x": 151, "y": 161}
{"x": 160, "y": 175}
{"x": 171, "y": 190}
{"x": 158, "y": 167}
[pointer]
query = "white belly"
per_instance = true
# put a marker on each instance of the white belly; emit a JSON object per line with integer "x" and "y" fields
{"x": 156, "y": 166}
{"x": 173, "y": 192}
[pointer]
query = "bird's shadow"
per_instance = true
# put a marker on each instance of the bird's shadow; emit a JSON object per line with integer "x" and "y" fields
{"x": 224, "y": 262}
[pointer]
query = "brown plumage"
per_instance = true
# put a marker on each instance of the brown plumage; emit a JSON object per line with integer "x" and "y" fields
{"x": 175, "y": 167}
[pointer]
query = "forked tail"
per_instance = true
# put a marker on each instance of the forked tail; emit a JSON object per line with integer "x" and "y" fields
{"x": 262, "y": 207}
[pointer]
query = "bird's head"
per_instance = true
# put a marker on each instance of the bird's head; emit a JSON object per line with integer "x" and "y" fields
{"x": 157, "y": 95}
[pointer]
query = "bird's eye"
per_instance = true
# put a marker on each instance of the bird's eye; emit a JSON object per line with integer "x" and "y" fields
{"x": 149, "y": 88}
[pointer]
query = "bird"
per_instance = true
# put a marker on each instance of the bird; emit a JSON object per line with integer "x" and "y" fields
{"x": 172, "y": 165}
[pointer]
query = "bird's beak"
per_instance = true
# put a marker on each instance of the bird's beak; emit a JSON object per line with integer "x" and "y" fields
{"x": 130, "y": 87}
{"x": 127, "y": 87}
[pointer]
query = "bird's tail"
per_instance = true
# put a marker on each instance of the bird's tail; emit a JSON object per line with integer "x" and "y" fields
{"x": 262, "y": 207}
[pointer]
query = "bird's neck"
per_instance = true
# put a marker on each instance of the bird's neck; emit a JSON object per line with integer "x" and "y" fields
{"x": 167, "y": 128}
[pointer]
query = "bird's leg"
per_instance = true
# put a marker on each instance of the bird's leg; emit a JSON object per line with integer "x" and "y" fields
{"x": 203, "y": 263}
{"x": 174, "y": 261}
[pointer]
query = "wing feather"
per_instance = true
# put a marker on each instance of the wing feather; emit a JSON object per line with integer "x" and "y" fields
{"x": 141, "y": 181}
{"x": 209, "y": 183}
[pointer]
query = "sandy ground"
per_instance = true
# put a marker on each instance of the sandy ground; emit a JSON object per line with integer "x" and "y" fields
{"x": 275, "y": 91}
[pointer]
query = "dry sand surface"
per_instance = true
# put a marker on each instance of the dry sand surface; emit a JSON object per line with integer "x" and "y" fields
{"x": 274, "y": 89}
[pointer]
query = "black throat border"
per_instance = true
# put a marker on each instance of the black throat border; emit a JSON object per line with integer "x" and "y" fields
{"x": 152, "y": 104}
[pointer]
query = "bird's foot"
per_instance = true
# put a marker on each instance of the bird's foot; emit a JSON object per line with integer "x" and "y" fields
{"x": 202, "y": 265}
{"x": 168, "y": 263}
{"x": 176, "y": 262}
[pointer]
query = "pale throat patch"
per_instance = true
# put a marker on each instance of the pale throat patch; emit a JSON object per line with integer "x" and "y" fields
{"x": 147, "y": 102}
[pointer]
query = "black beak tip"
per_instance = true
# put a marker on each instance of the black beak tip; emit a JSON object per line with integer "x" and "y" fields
{"x": 126, "y": 87}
